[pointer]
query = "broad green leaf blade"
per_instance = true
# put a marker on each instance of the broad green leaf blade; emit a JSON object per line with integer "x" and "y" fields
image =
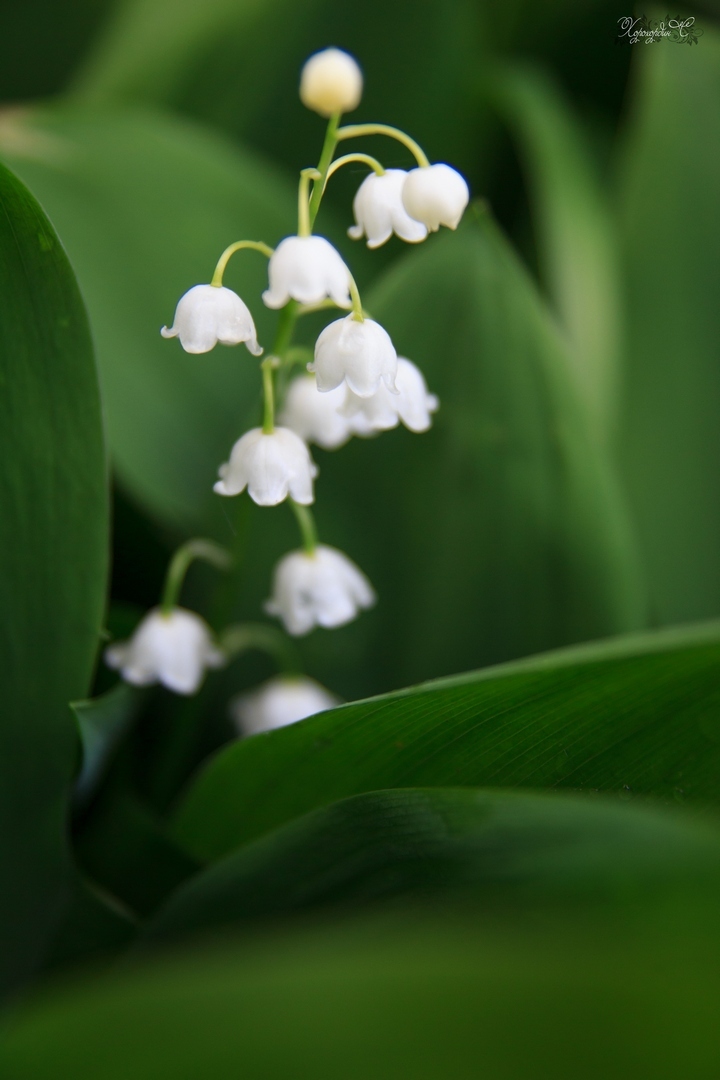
{"x": 53, "y": 563}
{"x": 498, "y": 533}
{"x": 640, "y": 716}
{"x": 145, "y": 205}
{"x": 575, "y": 233}
{"x": 500, "y": 847}
{"x": 102, "y": 722}
{"x": 402, "y": 999}
{"x": 670, "y": 222}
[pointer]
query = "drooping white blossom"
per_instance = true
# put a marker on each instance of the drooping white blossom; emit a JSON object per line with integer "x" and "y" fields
{"x": 435, "y": 195}
{"x": 208, "y": 314}
{"x": 331, "y": 82}
{"x": 174, "y": 649}
{"x": 307, "y": 269}
{"x": 271, "y": 466}
{"x": 413, "y": 405}
{"x": 379, "y": 211}
{"x": 316, "y": 417}
{"x": 360, "y": 354}
{"x": 282, "y": 700}
{"x": 320, "y": 589}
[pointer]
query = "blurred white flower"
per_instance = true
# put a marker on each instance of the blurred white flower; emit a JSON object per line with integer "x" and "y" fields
{"x": 173, "y": 649}
{"x": 280, "y": 701}
{"x": 413, "y": 405}
{"x": 331, "y": 81}
{"x": 436, "y": 195}
{"x": 307, "y": 269}
{"x": 379, "y": 211}
{"x": 315, "y": 416}
{"x": 358, "y": 353}
{"x": 270, "y": 466}
{"x": 207, "y": 314}
{"x": 320, "y": 589}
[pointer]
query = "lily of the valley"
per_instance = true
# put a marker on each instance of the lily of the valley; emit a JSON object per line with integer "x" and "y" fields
{"x": 271, "y": 466}
{"x": 174, "y": 649}
{"x": 316, "y": 417}
{"x": 208, "y": 314}
{"x": 331, "y": 82}
{"x": 280, "y": 701}
{"x": 307, "y": 269}
{"x": 379, "y": 211}
{"x": 360, "y": 354}
{"x": 322, "y": 588}
{"x": 435, "y": 195}
{"x": 412, "y": 405}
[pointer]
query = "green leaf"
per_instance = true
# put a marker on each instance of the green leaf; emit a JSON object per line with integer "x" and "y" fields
{"x": 53, "y": 563}
{"x": 500, "y": 847}
{"x": 575, "y": 233}
{"x": 670, "y": 220}
{"x": 402, "y": 999}
{"x": 145, "y": 205}
{"x": 500, "y": 532}
{"x": 639, "y": 715}
{"x": 102, "y": 722}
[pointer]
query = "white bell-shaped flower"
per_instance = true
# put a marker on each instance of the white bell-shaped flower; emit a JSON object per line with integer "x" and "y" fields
{"x": 207, "y": 314}
{"x": 331, "y": 82}
{"x": 280, "y": 701}
{"x": 307, "y": 269}
{"x": 412, "y": 405}
{"x": 320, "y": 589}
{"x": 379, "y": 211}
{"x": 173, "y": 649}
{"x": 315, "y": 417}
{"x": 435, "y": 195}
{"x": 271, "y": 466}
{"x": 360, "y": 354}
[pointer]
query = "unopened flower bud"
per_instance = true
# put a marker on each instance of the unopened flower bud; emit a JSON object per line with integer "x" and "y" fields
{"x": 208, "y": 314}
{"x": 435, "y": 195}
{"x": 271, "y": 466}
{"x": 358, "y": 353}
{"x": 379, "y": 211}
{"x": 280, "y": 701}
{"x": 174, "y": 649}
{"x": 320, "y": 589}
{"x": 307, "y": 269}
{"x": 331, "y": 82}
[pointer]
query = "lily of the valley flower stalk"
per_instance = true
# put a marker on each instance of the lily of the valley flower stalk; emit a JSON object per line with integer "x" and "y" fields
{"x": 354, "y": 385}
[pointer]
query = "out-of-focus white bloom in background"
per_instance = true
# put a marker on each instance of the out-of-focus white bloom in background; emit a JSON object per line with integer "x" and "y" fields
{"x": 379, "y": 211}
{"x": 307, "y": 269}
{"x": 360, "y": 354}
{"x": 282, "y": 700}
{"x": 413, "y": 405}
{"x": 208, "y": 314}
{"x": 331, "y": 82}
{"x": 324, "y": 588}
{"x": 436, "y": 195}
{"x": 315, "y": 417}
{"x": 174, "y": 649}
{"x": 271, "y": 466}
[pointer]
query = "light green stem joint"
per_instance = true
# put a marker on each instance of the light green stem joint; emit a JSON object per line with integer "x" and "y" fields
{"x": 207, "y": 551}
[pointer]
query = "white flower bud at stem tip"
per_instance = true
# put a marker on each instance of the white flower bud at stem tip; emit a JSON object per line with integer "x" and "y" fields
{"x": 331, "y": 82}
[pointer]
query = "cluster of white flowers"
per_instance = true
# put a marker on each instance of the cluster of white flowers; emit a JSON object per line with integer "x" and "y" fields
{"x": 356, "y": 384}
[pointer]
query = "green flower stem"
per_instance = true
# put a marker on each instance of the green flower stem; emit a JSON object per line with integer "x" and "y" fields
{"x": 306, "y": 175}
{"x": 354, "y": 131}
{"x": 298, "y": 354}
{"x": 242, "y": 637}
{"x": 267, "y": 366}
{"x": 346, "y": 159}
{"x": 357, "y": 308}
{"x": 326, "y": 156}
{"x": 306, "y": 522}
{"x": 253, "y": 245}
{"x": 285, "y": 327}
{"x": 206, "y": 550}
{"x": 310, "y": 309}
